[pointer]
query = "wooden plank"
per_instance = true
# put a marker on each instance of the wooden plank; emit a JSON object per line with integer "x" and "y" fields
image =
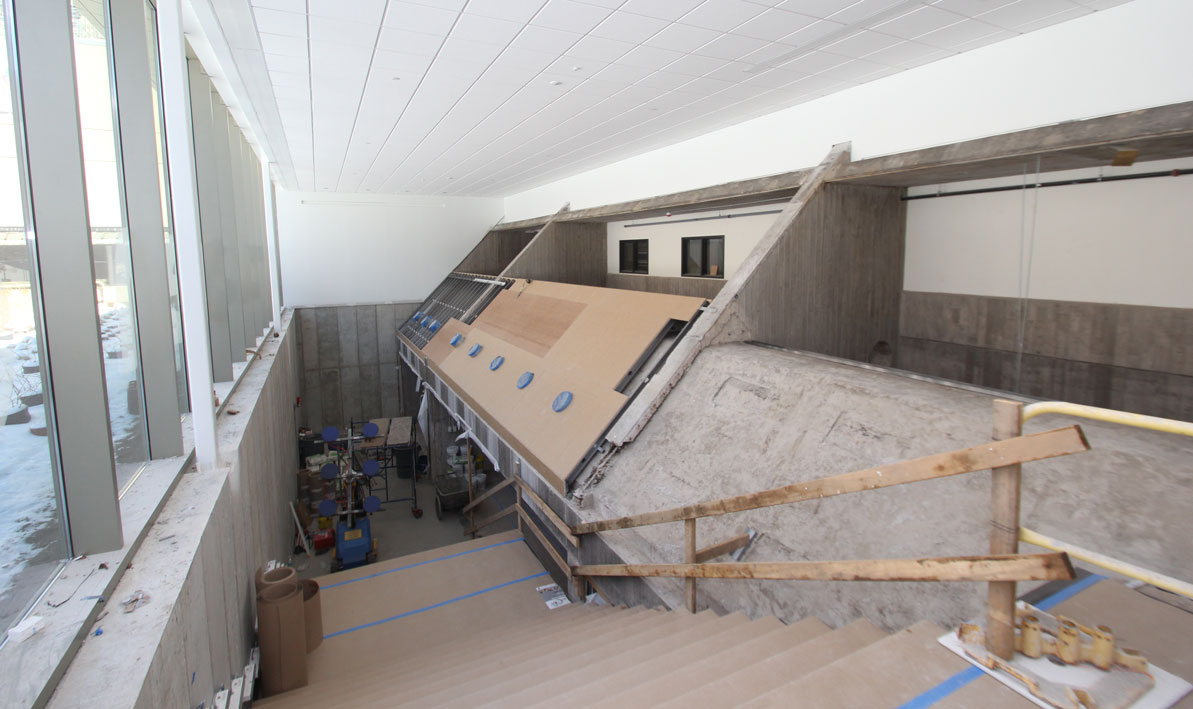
{"x": 1023, "y": 449}
{"x": 549, "y": 513}
{"x": 1009, "y": 567}
{"x": 506, "y": 512}
{"x": 528, "y": 523}
{"x": 722, "y": 548}
{"x": 689, "y": 555}
{"x": 489, "y": 493}
{"x": 1004, "y": 532}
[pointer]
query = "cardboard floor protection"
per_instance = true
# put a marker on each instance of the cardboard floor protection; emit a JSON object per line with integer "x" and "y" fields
{"x": 385, "y": 611}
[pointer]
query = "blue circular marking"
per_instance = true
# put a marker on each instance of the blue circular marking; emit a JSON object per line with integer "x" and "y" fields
{"x": 561, "y": 402}
{"x": 496, "y": 363}
{"x": 372, "y": 504}
{"x": 329, "y": 471}
{"x": 418, "y": 316}
{"x": 435, "y": 326}
{"x": 476, "y": 349}
{"x": 525, "y": 379}
{"x": 330, "y": 433}
{"x": 426, "y": 321}
{"x": 370, "y": 430}
{"x": 328, "y": 507}
{"x": 371, "y": 468}
{"x": 456, "y": 338}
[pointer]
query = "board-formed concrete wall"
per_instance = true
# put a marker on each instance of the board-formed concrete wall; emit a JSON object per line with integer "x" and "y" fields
{"x": 747, "y": 418}
{"x": 198, "y": 560}
{"x": 349, "y": 362}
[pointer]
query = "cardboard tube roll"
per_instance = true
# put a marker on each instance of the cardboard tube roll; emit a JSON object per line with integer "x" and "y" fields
{"x": 281, "y": 574}
{"x": 281, "y": 632}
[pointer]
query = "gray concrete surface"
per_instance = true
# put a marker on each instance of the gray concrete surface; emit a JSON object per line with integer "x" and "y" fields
{"x": 349, "y": 362}
{"x": 747, "y": 418}
{"x": 198, "y": 559}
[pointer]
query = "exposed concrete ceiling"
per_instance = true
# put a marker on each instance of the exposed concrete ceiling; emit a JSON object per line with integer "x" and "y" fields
{"x": 490, "y": 97}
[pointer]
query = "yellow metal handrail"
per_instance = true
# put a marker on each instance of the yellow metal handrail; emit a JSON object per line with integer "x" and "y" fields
{"x": 1125, "y": 418}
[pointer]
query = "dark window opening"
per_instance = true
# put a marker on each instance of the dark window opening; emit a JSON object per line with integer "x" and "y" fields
{"x": 704, "y": 256}
{"x": 635, "y": 256}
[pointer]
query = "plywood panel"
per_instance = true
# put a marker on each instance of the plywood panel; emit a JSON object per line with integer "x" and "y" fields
{"x": 533, "y": 322}
{"x": 609, "y": 333}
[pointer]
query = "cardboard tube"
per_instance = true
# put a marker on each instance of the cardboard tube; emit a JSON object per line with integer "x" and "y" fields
{"x": 281, "y": 574}
{"x": 281, "y": 632}
{"x": 312, "y": 605}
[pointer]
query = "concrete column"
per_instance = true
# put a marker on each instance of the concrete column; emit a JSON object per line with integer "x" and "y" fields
{"x": 271, "y": 243}
{"x": 46, "y": 100}
{"x": 184, "y": 201}
{"x": 143, "y": 212}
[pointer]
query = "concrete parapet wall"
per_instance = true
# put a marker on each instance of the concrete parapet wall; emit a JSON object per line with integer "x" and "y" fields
{"x": 198, "y": 560}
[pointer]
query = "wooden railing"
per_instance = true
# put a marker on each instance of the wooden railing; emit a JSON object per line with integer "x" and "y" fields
{"x": 1001, "y": 569}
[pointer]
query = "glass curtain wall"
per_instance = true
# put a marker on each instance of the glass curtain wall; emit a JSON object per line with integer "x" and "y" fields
{"x": 167, "y": 218}
{"x": 31, "y": 520}
{"x": 109, "y": 242}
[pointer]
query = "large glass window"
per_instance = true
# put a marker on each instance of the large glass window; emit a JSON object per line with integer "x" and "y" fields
{"x": 31, "y": 521}
{"x": 167, "y": 219}
{"x": 704, "y": 256}
{"x": 109, "y": 243}
{"x": 635, "y": 255}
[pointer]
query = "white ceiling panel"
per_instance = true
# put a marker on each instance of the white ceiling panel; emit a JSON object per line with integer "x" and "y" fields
{"x": 419, "y": 18}
{"x": 293, "y": 24}
{"x": 627, "y": 27}
{"x": 570, "y": 15}
{"x": 487, "y": 97}
{"x": 774, "y": 25}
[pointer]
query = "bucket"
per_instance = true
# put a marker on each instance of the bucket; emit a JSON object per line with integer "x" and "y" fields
{"x": 281, "y": 632}
{"x": 312, "y": 606}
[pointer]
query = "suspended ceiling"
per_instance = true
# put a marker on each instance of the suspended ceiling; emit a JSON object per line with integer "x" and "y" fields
{"x": 491, "y": 97}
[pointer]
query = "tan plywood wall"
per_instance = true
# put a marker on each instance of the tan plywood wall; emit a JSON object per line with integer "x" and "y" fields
{"x": 572, "y": 338}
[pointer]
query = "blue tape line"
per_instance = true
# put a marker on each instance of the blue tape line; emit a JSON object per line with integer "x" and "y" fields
{"x": 964, "y": 677}
{"x": 1068, "y": 592}
{"x": 433, "y": 606}
{"x": 423, "y": 563}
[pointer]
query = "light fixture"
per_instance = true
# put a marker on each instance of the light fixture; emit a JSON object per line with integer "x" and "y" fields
{"x": 555, "y": 83}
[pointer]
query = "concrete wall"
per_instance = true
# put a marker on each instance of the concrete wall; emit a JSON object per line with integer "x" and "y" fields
{"x": 494, "y": 252}
{"x": 666, "y": 238}
{"x": 349, "y": 357}
{"x": 1050, "y": 75}
{"x": 567, "y": 252}
{"x": 1128, "y": 357}
{"x": 700, "y": 287}
{"x": 198, "y": 559}
{"x": 747, "y": 418}
{"x": 1102, "y": 269}
{"x": 832, "y": 282}
{"x": 341, "y": 248}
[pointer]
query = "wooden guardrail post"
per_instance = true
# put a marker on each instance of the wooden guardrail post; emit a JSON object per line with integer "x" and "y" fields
{"x": 1004, "y": 532}
{"x": 689, "y": 538}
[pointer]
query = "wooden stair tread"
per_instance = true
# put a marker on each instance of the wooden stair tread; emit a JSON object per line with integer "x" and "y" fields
{"x": 639, "y": 650}
{"x": 673, "y": 657}
{"x": 895, "y": 669}
{"x": 716, "y": 665}
{"x": 547, "y": 657}
{"x": 729, "y": 690}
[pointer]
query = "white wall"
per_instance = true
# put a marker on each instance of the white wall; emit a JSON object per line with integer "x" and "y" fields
{"x": 1124, "y": 58}
{"x": 1128, "y": 242}
{"x": 741, "y": 234}
{"x": 337, "y": 249}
